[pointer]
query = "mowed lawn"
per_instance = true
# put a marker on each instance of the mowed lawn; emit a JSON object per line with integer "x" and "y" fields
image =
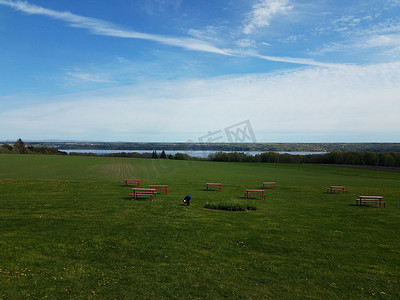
{"x": 70, "y": 231}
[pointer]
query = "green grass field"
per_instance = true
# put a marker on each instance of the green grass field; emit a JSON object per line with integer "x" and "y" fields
{"x": 70, "y": 231}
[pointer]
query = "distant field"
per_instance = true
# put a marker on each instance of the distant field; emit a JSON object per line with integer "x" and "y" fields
{"x": 69, "y": 231}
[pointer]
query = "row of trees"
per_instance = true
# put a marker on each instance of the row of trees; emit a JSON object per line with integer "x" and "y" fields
{"x": 387, "y": 159}
{"x": 20, "y": 148}
{"x": 154, "y": 155}
{"x": 236, "y": 147}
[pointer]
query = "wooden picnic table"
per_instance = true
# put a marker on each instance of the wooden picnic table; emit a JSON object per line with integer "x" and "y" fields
{"x": 132, "y": 181}
{"x": 138, "y": 192}
{"x": 159, "y": 187}
{"x": 214, "y": 186}
{"x": 258, "y": 193}
{"x": 363, "y": 200}
{"x": 271, "y": 185}
{"x": 336, "y": 188}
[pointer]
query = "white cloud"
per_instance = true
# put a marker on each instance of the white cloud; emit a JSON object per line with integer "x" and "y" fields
{"x": 208, "y": 33}
{"x": 82, "y": 77}
{"x": 101, "y": 27}
{"x": 301, "y": 61}
{"x": 262, "y": 13}
{"x": 246, "y": 43}
{"x": 384, "y": 36}
{"x": 330, "y": 102}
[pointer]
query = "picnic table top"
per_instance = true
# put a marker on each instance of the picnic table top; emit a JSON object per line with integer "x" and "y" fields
{"x": 213, "y": 183}
{"x": 371, "y": 197}
{"x": 269, "y": 182}
{"x": 143, "y": 189}
{"x": 337, "y": 186}
{"x": 251, "y": 190}
{"x": 159, "y": 185}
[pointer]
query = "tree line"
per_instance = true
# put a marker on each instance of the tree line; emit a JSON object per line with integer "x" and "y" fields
{"x": 386, "y": 159}
{"x": 20, "y": 148}
{"x": 236, "y": 147}
{"x": 369, "y": 158}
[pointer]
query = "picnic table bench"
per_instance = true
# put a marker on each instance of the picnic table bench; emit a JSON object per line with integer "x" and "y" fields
{"x": 159, "y": 187}
{"x": 363, "y": 200}
{"x": 271, "y": 185}
{"x": 214, "y": 186}
{"x": 258, "y": 193}
{"x": 138, "y": 192}
{"x": 336, "y": 188}
{"x": 132, "y": 181}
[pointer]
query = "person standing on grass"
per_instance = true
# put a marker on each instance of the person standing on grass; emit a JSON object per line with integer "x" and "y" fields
{"x": 187, "y": 200}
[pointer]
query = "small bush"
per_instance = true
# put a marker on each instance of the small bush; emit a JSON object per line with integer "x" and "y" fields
{"x": 231, "y": 206}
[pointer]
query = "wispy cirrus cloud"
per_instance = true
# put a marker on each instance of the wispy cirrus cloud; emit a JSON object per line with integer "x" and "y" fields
{"x": 384, "y": 36}
{"x": 262, "y": 13}
{"x": 78, "y": 76}
{"x": 301, "y": 61}
{"x": 101, "y": 27}
{"x": 290, "y": 60}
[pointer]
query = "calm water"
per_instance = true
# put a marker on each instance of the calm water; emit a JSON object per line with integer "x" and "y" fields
{"x": 197, "y": 153}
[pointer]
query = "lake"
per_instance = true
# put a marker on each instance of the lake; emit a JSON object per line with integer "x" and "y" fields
{"x": 194, "y": 153}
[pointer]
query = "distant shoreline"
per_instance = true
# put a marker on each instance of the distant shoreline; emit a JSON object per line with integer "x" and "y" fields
{"x": 238, "y": 147}
{"x": 193, "y": 153}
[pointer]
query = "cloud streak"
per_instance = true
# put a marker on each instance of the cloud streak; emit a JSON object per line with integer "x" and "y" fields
{"x": 101, "y": 27}
{"x": 263, "y": 9}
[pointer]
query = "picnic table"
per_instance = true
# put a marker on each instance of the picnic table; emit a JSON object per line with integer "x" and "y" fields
{"x": 271, "y": 185}
{"x": 132, "y": 181}
{"x": 363, "y": 200}
{"x": 159, "y": 187}
{"x": 336, "y": 188}
{"x": 258, "y": 193}
{"x": 214, "y": 186}
{"x": 138, "y": 192}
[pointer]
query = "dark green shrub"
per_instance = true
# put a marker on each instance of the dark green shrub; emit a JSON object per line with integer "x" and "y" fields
{"x": 231, "y": 206}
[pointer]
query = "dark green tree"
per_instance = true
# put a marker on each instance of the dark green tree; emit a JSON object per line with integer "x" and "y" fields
{"x": 19, "y": 147}
{"x": 163, "y": 155}
{"x": 370, "y": 158}
{"x": 6, "y": 148}
{"x": 181, "y": 156}
{"x": 270, "y": 157}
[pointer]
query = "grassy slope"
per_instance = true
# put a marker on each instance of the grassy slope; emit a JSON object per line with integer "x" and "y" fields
{"x": 69, "y": 230}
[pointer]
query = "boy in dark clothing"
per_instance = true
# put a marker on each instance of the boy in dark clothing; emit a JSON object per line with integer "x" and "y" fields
{"x": 187, "y": 200}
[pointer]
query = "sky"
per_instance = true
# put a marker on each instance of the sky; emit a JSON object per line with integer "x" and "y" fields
{"x": 198, "y": 70}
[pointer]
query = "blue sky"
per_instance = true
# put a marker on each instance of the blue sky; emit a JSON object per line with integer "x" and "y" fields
{"x": 176, "y": 70}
